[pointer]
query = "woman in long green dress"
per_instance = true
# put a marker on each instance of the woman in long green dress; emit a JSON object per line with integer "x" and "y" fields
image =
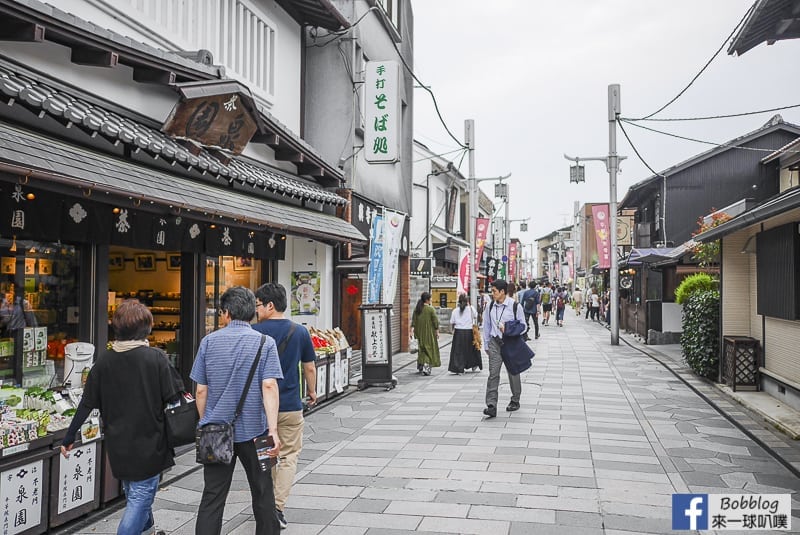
{"x": 425, "y": 328}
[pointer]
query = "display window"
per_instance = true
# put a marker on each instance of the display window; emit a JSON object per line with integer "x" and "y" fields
{"x": 223, "y": 272}
{"x": 154, "y": 278}
{"x": 39, "y": 310}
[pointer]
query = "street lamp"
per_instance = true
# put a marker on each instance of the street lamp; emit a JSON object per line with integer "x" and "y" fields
{"x": 612, "y": 161}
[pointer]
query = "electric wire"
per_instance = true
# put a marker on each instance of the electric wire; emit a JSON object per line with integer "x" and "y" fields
{"x": 438, "y": 155}
{"x": 340, "y": 33}
{"x": 720, "y": 145}
{"x": 710, "y": 117}
{"x": 635, "y": 150}
{"x": 722, "y": 46}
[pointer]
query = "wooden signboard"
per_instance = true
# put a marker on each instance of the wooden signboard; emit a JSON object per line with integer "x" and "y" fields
{"x": 221, "y": 121}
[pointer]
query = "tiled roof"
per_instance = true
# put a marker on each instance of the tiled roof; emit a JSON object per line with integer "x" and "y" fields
{"x": 74, "y": 111}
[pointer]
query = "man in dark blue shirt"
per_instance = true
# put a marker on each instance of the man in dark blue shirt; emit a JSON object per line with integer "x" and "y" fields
{"x": 530, "y": 305}
{"x": 270, "y": 308}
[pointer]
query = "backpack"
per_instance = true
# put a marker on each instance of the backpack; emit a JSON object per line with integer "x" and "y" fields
{"x": 545, "y": 298}
{"x": 560, "y": 302}
{"x": 530, "y": 301}
{"x": 514, "y": 309}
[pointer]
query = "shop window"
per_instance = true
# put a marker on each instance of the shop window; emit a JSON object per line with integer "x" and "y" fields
{"x": 39, "y": 310}
{"x": 223, "y": 272}
{"x": 154, "y": 278}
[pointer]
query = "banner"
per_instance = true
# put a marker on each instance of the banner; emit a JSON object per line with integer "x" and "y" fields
{"x": 392, "y": 234}
{"x": 481, "y": 232}
{"x": 463, "y": 270}
{"x": 601, "y": 229}
{"x": 491, "y": 272}
{"x": 512, "y": 261}
{"x": 570, "y": 264}
{"x": 375, "y": 274}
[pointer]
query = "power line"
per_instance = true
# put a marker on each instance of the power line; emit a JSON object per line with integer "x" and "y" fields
{"x": 340, "y": 33}
{"x": 722, "y": 46}
{"x": 635, "y": 150}
{"x": 709, "y": 117}
{"x": 713, "y": 143}
{"x": 438, "y": 155}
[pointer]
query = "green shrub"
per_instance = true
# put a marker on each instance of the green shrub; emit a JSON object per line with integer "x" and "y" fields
{"x": 700, "y": 337}
{"x": 694, "y": 283}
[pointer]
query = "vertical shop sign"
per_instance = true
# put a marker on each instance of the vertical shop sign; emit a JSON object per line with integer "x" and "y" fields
{"x": 601, "y": 229}
{"x": 512, "y": 260}
{"x": 491, "y": 272}
{"x": 78, "y": 474}
{"x": 305, "y": 293}
{"x": 375, "y": 273}
{"x": 375, "y": 343}
{"x": 463, "y": 270}
{"x": 481, "y": 232}
{"x": 382, "y": 106}
{"x": 392, "y": 235}
{"x": 21, "y": 495}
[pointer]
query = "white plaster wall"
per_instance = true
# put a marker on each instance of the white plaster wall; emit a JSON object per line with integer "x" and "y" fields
{"x": 671, "y": 317}
{"x": 303, "y": 254}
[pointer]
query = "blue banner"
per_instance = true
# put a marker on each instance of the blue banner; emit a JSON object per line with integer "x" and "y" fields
{"x": 375, "y": 275}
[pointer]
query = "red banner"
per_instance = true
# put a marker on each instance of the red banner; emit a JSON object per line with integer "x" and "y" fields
{"x": 463, "y": 271}
{"x": 602, "y": 228}
{"x": 571, "y": 264}
{"x": 481, "y": 232}
{"x": 512, "y": 261}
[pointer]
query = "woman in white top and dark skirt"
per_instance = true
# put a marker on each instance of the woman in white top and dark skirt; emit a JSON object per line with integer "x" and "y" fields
{"x": 463, "y": 354}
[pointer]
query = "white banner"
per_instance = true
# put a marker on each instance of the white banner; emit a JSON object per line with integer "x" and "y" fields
{"x": 392, "y": 235}
{"x": 463, "y": 270}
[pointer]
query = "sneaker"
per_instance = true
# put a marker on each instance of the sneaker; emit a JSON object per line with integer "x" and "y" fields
{"x": 513, "y": 406}
{"x": 281, "y": 519}
{"x": 490, "y": 411}
{"x": 426, "y": 369}
{"x": 419, "y": 368}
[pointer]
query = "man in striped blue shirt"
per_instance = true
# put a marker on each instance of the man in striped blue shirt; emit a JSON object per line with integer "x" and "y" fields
{"x": 220, "y": 370}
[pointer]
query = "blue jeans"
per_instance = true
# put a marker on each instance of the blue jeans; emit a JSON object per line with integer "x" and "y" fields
{"x": 138, "y": 514}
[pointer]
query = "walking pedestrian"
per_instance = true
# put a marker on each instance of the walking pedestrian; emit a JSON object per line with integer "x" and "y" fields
{"x": 501, "y": 310}
{"x": 425, "y": 328}
{"x": 463, "y": 353}
{"x": 294, "y": 347}
{"x": 530, "y": 305}
{"x": 595, "y": 305}
{"x": 221, "y": 367}
{"x": 130, "y": 384}
{"x": 561, "y": 305}
{"x": 577, "y": 298}
{"x": 547, "y": 303}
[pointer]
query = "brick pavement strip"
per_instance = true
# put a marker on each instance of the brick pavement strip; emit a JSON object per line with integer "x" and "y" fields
{"x": 605, "y": 435}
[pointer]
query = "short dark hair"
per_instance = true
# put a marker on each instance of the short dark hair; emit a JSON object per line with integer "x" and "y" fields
{"x": 532, "y": 285}
{"x": 500, "y": 285}
{"x": 274, "y": 293}
{"x": 132, "y": 321}
{"x": 239, "y": 302}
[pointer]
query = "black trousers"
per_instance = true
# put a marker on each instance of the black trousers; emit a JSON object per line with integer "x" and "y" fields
{"x": 217, "y": 482}
{"x": 535, "y": 323}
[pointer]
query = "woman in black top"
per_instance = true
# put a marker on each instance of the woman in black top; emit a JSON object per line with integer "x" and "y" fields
{"x": 130, "y": 384}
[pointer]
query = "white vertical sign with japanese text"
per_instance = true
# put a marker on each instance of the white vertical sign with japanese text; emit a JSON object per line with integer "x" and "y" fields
{"x": 392, "y": 234}
{"x": 78, "y": 474}
{"x": 21, "y": 495}
{"x": 382, "y": 112}
{"x": 375, "y": 337}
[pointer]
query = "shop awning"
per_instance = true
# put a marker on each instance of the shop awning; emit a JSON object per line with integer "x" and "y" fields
{"x": 22, "y": 152}
{"x": 649, "y": 256}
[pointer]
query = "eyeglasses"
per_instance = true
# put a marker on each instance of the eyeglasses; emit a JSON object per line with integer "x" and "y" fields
{"x": 220, "y": 312}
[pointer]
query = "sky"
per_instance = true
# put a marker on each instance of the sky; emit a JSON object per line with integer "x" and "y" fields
{"x": 534, "y": 77}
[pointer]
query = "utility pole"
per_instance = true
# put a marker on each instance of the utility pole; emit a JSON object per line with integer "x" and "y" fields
{"x": 612, "y": 166}
{"x": 469, "y": 137}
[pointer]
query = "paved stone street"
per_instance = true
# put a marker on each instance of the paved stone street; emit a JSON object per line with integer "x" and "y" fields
{"x": 605, "y": 435}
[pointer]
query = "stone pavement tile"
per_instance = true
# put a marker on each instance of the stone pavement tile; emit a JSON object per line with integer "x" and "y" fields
{"x": 528, "y": 528}
{"x": 559, "y": 481}
{"x": 456, "y": 465}
{"x": 559, "y": 461}
{"x": 415, "y": 473}
{"x": 384, "y": 531}
{"x": 333, "y": 491}
{"x": 624, "y": 475}
{"x": 327, "y": 468}
{"x": 463, "y": 526}
{"x": 629, "y": 466}
{"x": 399, "y": 494}
{"x": 625, "y": 457}
{"x": 311, "y": 516}
{"x": 463, "y": 449}
{"x": 319, "y": 502}
{"x": 622, "y": 444}
{"x": 514, "y": 514}
{"x": 454, "y": 510}
{"x": 636, "y": 486}
{"x": 636, "y": 524}
{"x": 785, "y": 481}
{"x": 477, "y": 498}
{"x": 342, "y": 530}
{"x": 405, "y": 463}
{"x": 162, "y": 504}
{"x": 443, "y": 441}
{"x": 520, "y": 488}
{"x": 579, "y": 519}
{"x": 467, "y": 475}
{"x": 443, "y": 484}
{"x": 373, "y": 520}
{"x": 559, "y": 503}
{"x": 702, "y": 478}
{"x": 494, "y": 457}
{"x": 637, "y": 510}
{"x": 356, "y": 461}
{"x": 441, "y": 455}
{"x": 524, "y": 468}
{"x": 362, "y": 505}
{"x": 623, "y": 495}
{"x": 170, "y": 519}
{"x": 179, "y": 495}
{"x": 325, "y": 479}
{"x": 578, "y": 471}
{"x": 356, "y": 451}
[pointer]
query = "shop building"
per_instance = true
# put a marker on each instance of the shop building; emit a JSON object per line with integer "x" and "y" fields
{"x": 129, "y": 171}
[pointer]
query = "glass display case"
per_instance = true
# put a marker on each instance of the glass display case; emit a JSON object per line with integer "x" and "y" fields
{"x": 223, "y": 272}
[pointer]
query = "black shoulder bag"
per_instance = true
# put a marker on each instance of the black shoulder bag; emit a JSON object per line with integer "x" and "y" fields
{"x": 214, "y": 442}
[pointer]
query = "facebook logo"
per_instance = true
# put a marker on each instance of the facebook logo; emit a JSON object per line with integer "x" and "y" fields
{"x": 690, "y": 511}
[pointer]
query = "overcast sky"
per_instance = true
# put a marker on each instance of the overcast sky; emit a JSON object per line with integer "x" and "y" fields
{"x": 534, "y": 76}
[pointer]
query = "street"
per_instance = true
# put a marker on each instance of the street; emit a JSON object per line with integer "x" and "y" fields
{"x": 604, "y": 437}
